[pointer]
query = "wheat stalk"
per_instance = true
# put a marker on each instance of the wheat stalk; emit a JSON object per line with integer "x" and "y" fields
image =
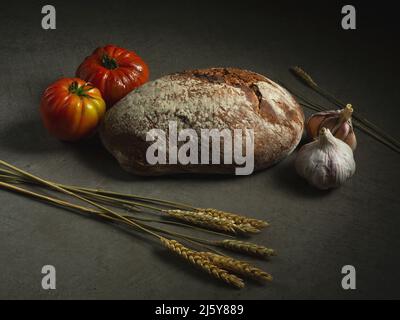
{"x": 236, "y": 266}
{"x": 11, "y": 176}
{"x": 202, "y": 262}
{"x": 208, "y": 221}
{"x": 361, "y": 122}
{"x": 209, "y": 218}
{"x": 246, "y": 247}
{"x": 238, "y": 219}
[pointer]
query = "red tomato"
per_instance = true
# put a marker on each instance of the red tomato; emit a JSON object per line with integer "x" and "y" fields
{"x": 115, "y": 71}
{"x": 71, "y": 109}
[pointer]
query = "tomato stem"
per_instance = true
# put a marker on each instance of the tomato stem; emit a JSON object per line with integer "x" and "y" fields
{"x": 108, "y": 62}
{"x": 79, "y": 90}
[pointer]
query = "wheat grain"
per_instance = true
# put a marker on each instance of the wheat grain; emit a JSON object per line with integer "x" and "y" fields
{"x": 236, "y": 266}
{"x": 202, "y": 262}
{"x": 304, "y": 76}
{"x": 246, "y": 247}
{"x": 236, "y": 218}
{"x": 192, "y": 218}
{"x": 208, "y": 221}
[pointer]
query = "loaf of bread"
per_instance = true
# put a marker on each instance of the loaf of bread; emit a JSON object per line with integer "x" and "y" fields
{"x": 215, "y": 98}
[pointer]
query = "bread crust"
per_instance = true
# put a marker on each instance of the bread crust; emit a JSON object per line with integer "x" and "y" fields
{"x": 214, "y": 98}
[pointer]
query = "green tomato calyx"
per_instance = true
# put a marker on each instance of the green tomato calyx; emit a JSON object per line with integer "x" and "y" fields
{"x": 108, "y": 62}
{"x": 81, "y": 91}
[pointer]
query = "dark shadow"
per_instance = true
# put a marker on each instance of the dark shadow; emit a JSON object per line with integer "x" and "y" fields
{"x": 286, "y": 177}
{"x": 28, "y": 136}
{"x": 91, "y": 153}
{"x": 197, "y": 176}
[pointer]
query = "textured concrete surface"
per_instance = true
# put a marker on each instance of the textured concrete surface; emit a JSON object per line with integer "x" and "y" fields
{"x": 315, "y": 233}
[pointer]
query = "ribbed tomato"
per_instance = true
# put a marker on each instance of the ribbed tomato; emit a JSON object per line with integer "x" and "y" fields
{"x": 114, "y": 71}
{"x": 71, "y": 109}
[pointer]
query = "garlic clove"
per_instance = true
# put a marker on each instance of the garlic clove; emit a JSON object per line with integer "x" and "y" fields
{"x": 343, "y": 131}
{"x": 338, "y": 121}
{"x": 313, "y": 124}
{"x": 351, "y": 140}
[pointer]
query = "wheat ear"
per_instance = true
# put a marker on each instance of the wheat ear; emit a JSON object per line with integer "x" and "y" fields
{"x": 247, "y": 248}
{"x": 202, "y": 262}
{"x": 208, "y": 221}
{"x": 238, "y": 219}
{"x": 236, "y": 266}
{"x": 303, "y": 76}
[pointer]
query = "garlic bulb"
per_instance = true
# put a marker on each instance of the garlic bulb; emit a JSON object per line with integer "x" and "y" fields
{"x": 326, "y": 162}
{"x": 338, "y": 121}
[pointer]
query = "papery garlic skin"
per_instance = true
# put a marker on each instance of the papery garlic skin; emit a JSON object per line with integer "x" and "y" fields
{"x": 326, "y": 162}
{"x": 338, "y": 121}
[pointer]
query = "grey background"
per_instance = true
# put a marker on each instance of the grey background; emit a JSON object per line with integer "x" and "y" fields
{"x": 315, "y": 233}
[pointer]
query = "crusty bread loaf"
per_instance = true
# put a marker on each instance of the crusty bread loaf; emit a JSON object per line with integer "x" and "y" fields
{"x": 216, "y": 98}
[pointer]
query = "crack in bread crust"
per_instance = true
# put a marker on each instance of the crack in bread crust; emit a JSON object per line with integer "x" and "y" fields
{"x": 231, "y": 76}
